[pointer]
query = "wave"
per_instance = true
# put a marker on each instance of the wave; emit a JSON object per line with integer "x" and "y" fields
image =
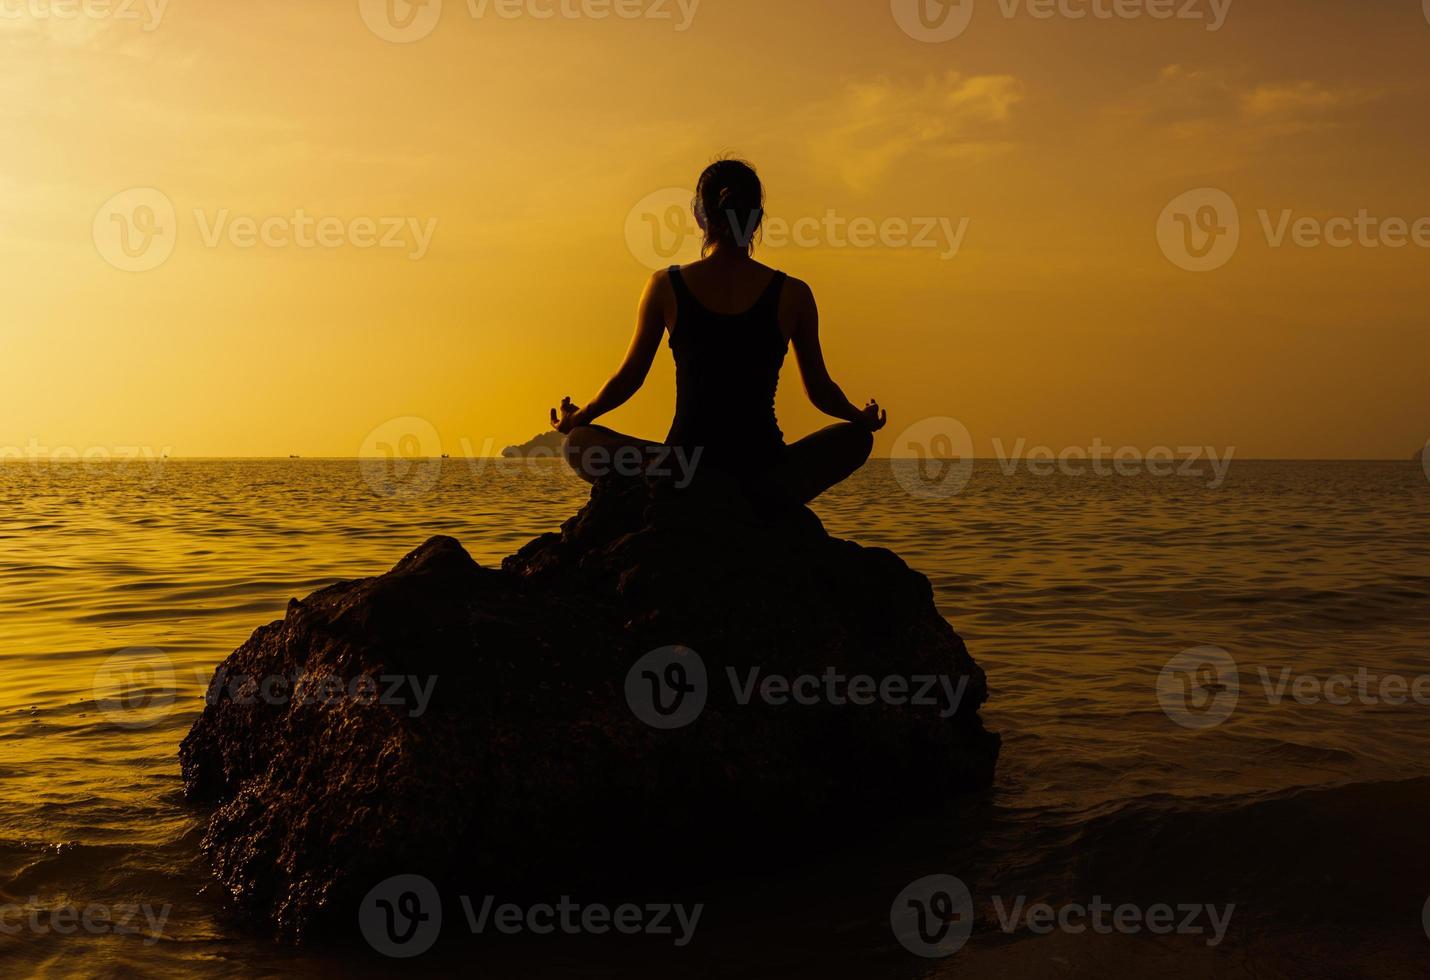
{"x": 1348, "y": 853}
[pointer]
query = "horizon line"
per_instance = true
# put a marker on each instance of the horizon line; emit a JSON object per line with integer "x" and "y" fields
{"x": 955, "y": 459}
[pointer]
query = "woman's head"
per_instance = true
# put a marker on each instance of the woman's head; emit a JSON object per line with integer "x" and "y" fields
{"x": 730, "y": 205}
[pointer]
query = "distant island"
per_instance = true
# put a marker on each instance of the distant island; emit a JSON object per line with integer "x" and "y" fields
{"x": 546, "y": 444}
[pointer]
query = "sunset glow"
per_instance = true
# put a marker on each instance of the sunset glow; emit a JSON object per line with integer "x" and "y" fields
{"x": 978, "y": 218}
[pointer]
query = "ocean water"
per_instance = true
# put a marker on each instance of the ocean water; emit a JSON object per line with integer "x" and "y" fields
{"x": 1131, "y": 771}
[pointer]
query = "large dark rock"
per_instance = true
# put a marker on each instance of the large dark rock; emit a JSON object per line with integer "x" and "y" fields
{"x": 529, "y": 762}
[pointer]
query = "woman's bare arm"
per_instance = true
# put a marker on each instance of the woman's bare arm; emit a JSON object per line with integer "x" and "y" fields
{"x": 823, "y": 392}
{"x": 645, "y": 344}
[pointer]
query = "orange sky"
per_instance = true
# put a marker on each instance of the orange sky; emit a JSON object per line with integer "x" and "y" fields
{"x": 522, "y": 145}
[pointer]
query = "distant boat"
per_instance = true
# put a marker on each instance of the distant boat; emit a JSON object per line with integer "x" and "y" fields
{"x": 446, "y": 455}
{"x": 291, "y": 456}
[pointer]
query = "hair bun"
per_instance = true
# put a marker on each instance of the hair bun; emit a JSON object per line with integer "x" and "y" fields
{"x": 729, "y": 202}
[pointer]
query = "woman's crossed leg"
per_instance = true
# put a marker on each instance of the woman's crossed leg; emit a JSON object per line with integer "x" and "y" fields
{"x": 807, "y": 468}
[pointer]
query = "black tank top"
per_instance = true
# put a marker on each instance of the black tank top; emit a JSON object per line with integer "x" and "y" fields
{"x": 727, "y": 369}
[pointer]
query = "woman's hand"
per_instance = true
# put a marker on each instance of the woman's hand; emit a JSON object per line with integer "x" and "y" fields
{"x": 872, "y": 416}
{"x": 569, "y": 418}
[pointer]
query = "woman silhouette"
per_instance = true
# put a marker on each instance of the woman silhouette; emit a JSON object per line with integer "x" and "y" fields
{"x": 731, "y": 321}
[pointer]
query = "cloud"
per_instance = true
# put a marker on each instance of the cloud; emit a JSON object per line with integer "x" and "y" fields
{"x": 1182, "y": 96}
{"x": 874, "y": 125}
{"x": 1294, "y": 99}
{"x": 1223, "y": 108}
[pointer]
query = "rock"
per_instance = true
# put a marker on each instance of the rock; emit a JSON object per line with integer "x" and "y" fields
{"x": 528, "y": 762}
